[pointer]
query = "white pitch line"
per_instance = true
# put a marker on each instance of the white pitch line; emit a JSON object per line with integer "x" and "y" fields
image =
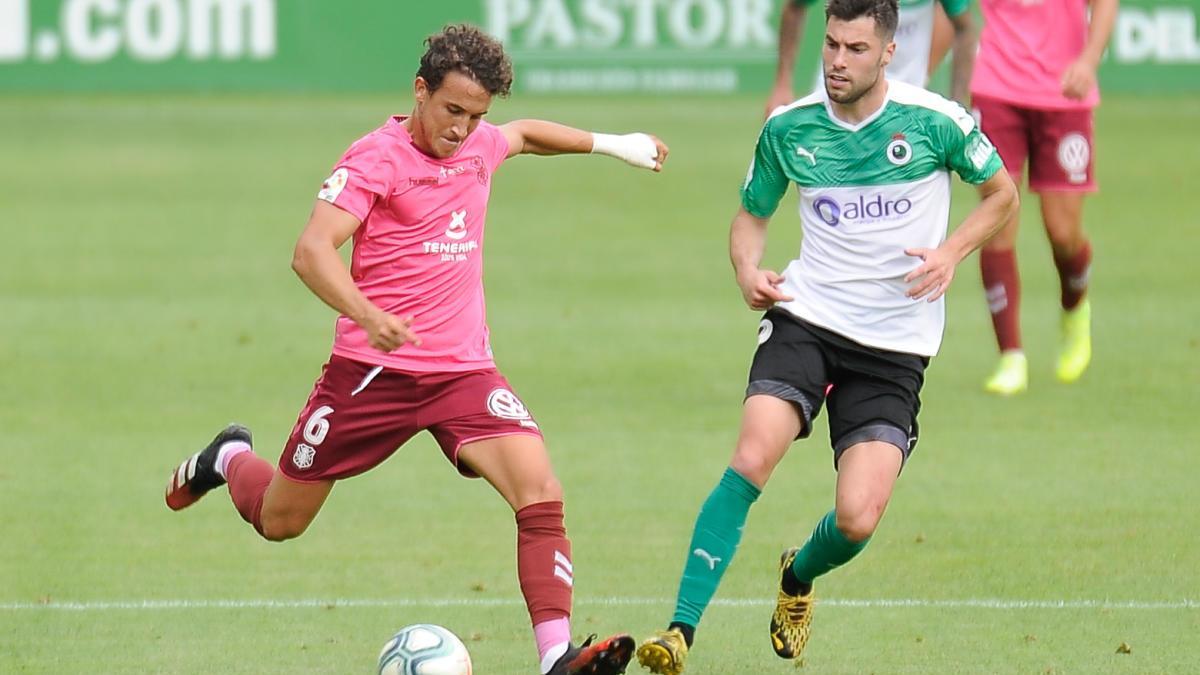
{"x": 332, "y": 603}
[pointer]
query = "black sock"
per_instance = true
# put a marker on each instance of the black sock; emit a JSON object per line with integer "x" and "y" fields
{"x": 689, "y": 632}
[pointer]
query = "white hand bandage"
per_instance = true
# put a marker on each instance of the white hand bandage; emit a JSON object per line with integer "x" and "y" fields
{"x": 636, "y": 149}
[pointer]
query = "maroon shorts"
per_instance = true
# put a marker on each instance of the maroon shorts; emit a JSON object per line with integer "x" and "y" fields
{"x": 1058, "y": 144}
{"x": 359, "y": 414}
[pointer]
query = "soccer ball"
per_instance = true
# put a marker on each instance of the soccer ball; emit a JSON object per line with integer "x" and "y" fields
{"x": 424, "y": 649}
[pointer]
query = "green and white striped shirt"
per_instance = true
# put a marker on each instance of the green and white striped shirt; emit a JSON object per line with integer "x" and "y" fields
{"x": 867, "y": 192}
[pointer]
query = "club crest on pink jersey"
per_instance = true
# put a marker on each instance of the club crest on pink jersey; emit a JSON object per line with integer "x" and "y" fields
{"x": 481, "y": 172}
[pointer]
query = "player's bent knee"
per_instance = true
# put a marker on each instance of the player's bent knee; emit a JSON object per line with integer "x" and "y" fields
{"x": 752, "y": 463}
{"x": 546, "y": 490}
{"x": 858, "y": 524}
{"x": 1066, "y": 243}
{"x": 550, "y": 491}
{"x": 283, "y": 527}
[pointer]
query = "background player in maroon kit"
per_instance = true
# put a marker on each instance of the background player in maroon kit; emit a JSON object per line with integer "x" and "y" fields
{"x": 1034, "y": 89}
{"x": 411, "y": 351}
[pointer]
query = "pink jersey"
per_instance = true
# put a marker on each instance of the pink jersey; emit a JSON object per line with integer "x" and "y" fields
{"x": 1026, "y": 47}
{"x": 419, "y": 250}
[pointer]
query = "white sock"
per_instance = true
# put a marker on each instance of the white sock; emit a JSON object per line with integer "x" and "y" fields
{"x": 228, "y": 452}
{"x": 552, "y": 656}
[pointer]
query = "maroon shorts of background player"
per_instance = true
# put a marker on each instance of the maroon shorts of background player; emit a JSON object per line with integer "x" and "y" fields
{"x": 359, "y": 414}
{"x": 1057, "y": 143}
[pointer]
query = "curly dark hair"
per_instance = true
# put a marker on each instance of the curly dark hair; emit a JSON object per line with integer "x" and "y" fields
{"x": 468, "y": 50}
{"x": 885, "y": 13}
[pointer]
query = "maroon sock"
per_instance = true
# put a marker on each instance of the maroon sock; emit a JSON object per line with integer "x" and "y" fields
{"x": 1073, "y": 272}
{"x": 544, "y": 561}
{"x": 1002, "y": 285}
{"x": 248, "y": 476}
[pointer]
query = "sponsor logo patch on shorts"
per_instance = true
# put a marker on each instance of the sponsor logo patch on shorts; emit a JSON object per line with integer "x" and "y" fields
{"x": 504, "y": 404}
{"x": 765, "y": 328}
{"x": 1074, "y": 153}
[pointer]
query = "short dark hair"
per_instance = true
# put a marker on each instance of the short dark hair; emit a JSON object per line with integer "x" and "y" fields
{"x": 470, "y": 51}
{"x": 885, "y": 12}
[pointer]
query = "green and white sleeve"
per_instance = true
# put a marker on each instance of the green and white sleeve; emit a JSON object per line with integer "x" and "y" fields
{"x": 969, "y": 153}
{"x": 766, "y": 182}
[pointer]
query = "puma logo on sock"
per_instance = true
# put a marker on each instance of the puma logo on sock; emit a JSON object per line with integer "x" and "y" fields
{"x": 708, "y": 558}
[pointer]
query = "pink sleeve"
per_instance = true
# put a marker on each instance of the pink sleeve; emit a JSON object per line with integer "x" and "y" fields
{"x": 362, "y": 176}
{"x": 499, "y": 144}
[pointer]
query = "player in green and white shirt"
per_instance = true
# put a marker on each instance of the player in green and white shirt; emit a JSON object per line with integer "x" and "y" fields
{"x": 869, "y": 190}
{"x": 923, "y": 28}
{"x": 854, "y": 319}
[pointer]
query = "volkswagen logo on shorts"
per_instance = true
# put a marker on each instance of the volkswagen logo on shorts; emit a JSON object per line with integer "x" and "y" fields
{"x": 1073, "y": 156}
{"x": 828, "y": 211}
{"x": 504, "y": 404}
{"x": 765, "y": 328}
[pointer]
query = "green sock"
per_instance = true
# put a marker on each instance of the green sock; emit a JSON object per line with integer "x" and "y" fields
{"x": 826, "y": 550}
{"x": 714, "y": 541}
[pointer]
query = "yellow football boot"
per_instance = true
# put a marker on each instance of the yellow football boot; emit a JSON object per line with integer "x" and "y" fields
{"x": 1075, "y": 349}
{"x": 1011, "y": 375}
{"x": 793, "y": 615}
{"x": 664, "y": 652}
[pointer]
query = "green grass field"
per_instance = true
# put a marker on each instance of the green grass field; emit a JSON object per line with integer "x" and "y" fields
{"x": 147, "y": 300}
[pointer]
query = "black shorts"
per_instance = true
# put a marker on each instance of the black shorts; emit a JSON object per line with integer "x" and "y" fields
{"x": 873, "y": 394}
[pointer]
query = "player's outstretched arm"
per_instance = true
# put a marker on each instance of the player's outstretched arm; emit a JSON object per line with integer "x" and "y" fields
{"x": 317, "y": 263}
{"x": 791, "y": 25}
{"x": 747, "y": 241}
{"x": 933, "y": 276}
{"x": 538, "y": 137}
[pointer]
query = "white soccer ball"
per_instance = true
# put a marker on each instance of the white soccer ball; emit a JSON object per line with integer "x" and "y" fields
{"x": 424, "y": 649}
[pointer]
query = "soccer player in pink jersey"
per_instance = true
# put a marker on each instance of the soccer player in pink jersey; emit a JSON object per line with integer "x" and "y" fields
{"x": 411, "y": 350}
{"x": 1034, "y": 89}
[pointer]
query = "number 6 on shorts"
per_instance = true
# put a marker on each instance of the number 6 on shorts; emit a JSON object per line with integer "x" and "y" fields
{"x": 316, "y": 428}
